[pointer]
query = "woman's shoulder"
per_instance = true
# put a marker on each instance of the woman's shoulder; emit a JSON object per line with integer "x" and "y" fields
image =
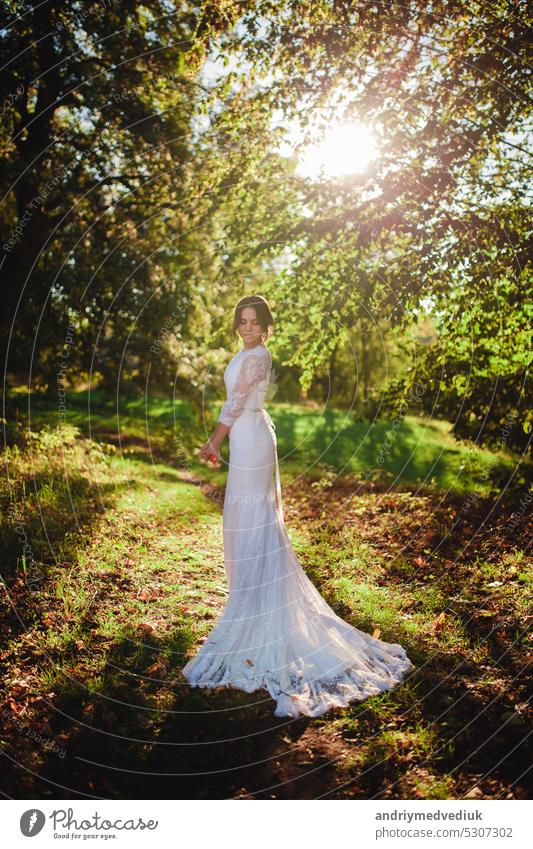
{"x": 259, "y": 351}
{"x": 250, "y": 355}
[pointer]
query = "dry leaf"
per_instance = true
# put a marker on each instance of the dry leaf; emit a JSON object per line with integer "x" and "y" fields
{"x": 439, "y": 622}
{"x": 157, "y": 666}
{"x": 146, "y": 628}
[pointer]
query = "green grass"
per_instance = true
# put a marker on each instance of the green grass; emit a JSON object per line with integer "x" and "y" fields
{"x": 417, "y": 450}
{"x": 413, "y": 450}
{"x": 129, "y": 550}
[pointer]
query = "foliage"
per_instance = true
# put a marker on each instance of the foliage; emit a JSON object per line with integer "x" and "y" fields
{"x": 438, "y": 223}
{"x": 145, "y": 193}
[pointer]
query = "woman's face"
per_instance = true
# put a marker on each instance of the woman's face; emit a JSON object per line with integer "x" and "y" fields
{"x": 249, "y": 327}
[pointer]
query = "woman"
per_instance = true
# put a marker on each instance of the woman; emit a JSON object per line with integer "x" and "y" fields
{"x": 276, "y": 631}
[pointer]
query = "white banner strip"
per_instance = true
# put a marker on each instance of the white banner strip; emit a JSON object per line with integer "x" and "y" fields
{"x": 356, "y": 824}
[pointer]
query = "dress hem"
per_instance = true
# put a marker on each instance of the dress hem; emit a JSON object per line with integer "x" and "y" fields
{"x": 293, "y": 704}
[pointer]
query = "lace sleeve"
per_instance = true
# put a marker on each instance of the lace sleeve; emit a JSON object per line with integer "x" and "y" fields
{"x": 253, "y": 370}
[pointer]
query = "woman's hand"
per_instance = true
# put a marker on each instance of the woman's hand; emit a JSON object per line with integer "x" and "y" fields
{"x": 210, "y": 452}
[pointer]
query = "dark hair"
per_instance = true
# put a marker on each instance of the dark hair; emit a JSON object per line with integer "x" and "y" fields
{"x": 262, "y": 311}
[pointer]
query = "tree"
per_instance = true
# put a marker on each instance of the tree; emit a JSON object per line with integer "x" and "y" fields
{"x": 439, "y": 220}
{"x": 98, "y": 100}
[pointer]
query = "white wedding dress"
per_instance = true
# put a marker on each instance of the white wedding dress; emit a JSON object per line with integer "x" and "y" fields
{"x": 276, "y": 631}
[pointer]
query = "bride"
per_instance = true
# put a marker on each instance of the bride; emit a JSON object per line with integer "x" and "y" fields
{"x": 276, "y": 631}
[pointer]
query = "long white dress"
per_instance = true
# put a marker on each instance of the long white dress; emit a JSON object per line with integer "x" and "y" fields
{"x": 276, "y": 631}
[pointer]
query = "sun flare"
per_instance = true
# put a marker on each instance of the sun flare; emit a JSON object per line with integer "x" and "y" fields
{"x": 345, "y": 149}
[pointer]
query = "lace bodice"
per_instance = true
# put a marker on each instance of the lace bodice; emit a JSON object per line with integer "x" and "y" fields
{"x": 246, "y": 378}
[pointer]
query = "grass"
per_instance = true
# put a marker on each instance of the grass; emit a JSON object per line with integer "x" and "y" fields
{"x": 414, "y": 450}
{"x": 113, "y": 565}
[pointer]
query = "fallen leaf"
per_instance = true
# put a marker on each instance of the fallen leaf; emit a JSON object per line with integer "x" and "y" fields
{"x": 157, "y": 666}
{"x": 146, "y": 628}
{"x": 439, "y": 622}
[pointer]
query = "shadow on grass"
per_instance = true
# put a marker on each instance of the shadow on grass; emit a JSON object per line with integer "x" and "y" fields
{"x": 416, "y": 451}
{"x": 135, "y": 729}
{"x": 138, "y": 730}
{"x": 54, "y": 515}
